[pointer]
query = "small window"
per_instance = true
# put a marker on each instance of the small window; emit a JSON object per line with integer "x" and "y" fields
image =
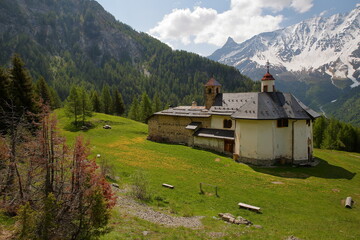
{"x": 217, "y": 90}
{"x": 227, "y": 123}
{"x": 209, "y": 90}
{"x": 265, "y": 88}
{"x": 308, "y": 122}
{"x": 283, "y": 122}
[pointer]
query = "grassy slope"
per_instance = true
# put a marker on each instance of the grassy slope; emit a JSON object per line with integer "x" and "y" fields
{"x": 308, "y": 204}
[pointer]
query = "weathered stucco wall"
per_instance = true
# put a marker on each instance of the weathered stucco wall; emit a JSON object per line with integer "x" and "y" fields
{"x": 172, "y": 129}
{"x": 302, "y": 140}
{"x": 261, "y": 142}
{"x": 210, "y": 143}
{"x": 218, "y": 122}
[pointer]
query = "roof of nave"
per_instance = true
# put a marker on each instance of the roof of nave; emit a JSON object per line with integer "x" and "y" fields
{"x": 186, "y": 111}
{"x": 261, "y": 106}
{"x": 252, "y": 105}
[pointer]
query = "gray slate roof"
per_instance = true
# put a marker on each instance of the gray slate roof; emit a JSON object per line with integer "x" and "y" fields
{"x": 255, "y": 105}
{"x": 185, "y": 111}
{"x": 215, "y": 133}
{"x": 261, "y": 106}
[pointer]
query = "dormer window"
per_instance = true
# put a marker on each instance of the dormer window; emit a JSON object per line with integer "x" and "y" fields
{"x": 227, "y": 123}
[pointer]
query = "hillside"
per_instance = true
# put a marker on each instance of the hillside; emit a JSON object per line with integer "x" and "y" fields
{"x": 317, "y": 60}
{"x": 304, "y": 202}
{"x": 78, "y": 42}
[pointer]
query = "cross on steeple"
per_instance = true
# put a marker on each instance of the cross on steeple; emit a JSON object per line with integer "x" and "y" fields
{"x": 267, "y": 66}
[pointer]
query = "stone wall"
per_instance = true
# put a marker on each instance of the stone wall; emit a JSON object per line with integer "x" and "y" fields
{"x": 172, "y": 129}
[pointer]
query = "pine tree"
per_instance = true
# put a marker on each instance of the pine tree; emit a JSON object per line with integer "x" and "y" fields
{"x": 106, "y": 100}
{"x": 56, "y": 99}
{"x": 85, "y": 105}
{"x": 95, "y": 101}
{"x": 145, "y": 108}
{"x": 318, "y": 130}
{"x": 22, "y": 90}
{"x": 4, "y": 88}
{"x": 73, "y": 105}
{"x": 157, "y": 105}
{"x": 118, "y": 104}
{"x": 331, "y": 135}
{"x": 43, "y": 91}
{"x": 134, "y": 110}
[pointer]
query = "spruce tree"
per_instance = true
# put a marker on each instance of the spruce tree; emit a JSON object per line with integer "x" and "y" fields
{"x": 134, "y": 110}
{"x": 4, "y": 87}
{"x": 85, "y": 105}
{"x": 118, "y": 104}
{"x": 43, "y": 91}
{"x": 157, "y": 105}
{"x": 95, "y": 101}
{"x": 22, "y": 90}
{"x": 106, "y": 100}
{"x": 57, "y": 103}
{"x": 318, "y": 130}
{"x": 73, "y": 105}
{"x": 145, "y": 108}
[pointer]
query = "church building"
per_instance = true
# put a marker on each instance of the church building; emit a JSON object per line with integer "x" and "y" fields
{"x": 259, "y": 128}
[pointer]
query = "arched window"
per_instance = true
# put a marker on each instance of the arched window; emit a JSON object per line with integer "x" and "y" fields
{"x": 227, "y": 123}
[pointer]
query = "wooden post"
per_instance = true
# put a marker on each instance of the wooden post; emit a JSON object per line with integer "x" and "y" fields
{"x": 216, "y": 191}
{"x": 348, "y": 202}
{"x": 201, "y": 191}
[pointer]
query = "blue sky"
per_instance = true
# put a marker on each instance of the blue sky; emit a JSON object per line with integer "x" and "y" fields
{"x": 202, "y": 26}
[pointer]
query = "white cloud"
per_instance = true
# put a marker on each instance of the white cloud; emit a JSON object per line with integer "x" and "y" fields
{"x": 243, "y": 20}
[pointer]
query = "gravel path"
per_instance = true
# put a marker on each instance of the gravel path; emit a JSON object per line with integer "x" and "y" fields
{"x": 132, "y": 207}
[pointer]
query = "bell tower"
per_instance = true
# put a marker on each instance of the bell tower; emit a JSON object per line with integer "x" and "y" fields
{"x": 212, "y": 88}
{"x": 268, "y": 81}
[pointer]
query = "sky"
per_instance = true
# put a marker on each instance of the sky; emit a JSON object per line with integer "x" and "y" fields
{"x": 202, "y": 26}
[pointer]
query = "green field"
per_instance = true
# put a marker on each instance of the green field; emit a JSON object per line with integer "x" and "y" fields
{"x": 304, "y": 202}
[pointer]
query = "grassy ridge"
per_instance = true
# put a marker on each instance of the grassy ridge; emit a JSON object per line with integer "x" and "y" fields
{"x": 305, "y": 202}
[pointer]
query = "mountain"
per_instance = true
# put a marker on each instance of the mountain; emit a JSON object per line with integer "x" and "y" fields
{"x": 318, "y": 59}
{"x": 77, "y": 42}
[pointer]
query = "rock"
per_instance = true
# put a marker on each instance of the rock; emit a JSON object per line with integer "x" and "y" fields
{"x": 293, "y": 238}
{"x": 145, "y": 233}
{"x": 257, "y": 226}
{"x": 228, "y": 217}
{"x": 115, "y": 185}
{"x": 106, "y": 127}
{"x": 242, "y": 220}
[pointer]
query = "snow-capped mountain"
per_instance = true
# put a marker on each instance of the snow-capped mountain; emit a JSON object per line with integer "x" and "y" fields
{"x": 321, "y": 47}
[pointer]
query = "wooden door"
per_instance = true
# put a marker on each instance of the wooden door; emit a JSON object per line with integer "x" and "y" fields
{"x": 229, "y": 145}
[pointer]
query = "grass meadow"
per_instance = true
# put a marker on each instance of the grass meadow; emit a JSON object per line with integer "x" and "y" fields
{"x": 304, "y": 202}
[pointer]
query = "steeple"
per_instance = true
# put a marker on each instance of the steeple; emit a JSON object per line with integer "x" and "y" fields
{"x": 268, "y": 81}
{"x": 212, "y": 88}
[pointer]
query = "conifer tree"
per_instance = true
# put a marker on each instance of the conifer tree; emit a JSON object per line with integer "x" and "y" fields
{"x": 22, "y": 90}
{"x": 43, "y": 91}
{"x": 73, "y": 105}
{"x": 157, "y": 105}
{"x": 318, "y": 130}
{"x": 106, "y": 99}
{"x": 57, "y": 103}
{"x": 95, "y": 101}
{"x": 4, "y": 87}
{"x": 134, "y": 110}
{"x": 85, "y": 105}
{"x": 118, "y": 104}
{"x": 331, "y": 135}
{"x": 145, "y": 107}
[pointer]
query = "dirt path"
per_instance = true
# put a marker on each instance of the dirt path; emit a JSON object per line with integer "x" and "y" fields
{"x": 132, "y": 207}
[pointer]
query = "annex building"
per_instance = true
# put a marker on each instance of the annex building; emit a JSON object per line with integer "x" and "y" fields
{"x": 260, "y": 128}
